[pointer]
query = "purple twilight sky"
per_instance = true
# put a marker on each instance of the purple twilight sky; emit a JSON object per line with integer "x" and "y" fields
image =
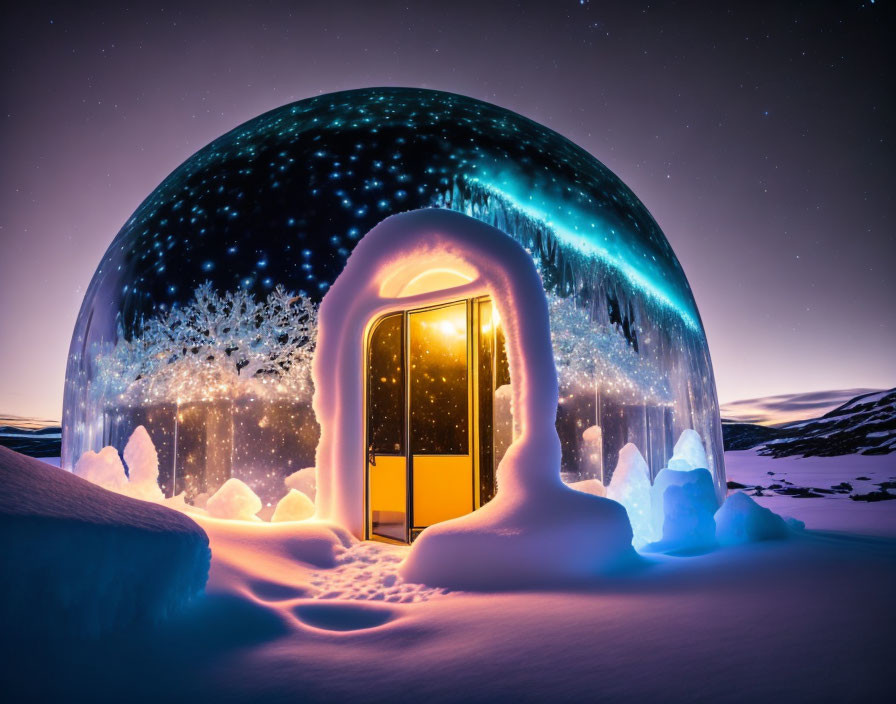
{"x": 758, "y": 134}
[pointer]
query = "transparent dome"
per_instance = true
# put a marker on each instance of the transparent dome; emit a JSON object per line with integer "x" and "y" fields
{"x": 200, "y": 320}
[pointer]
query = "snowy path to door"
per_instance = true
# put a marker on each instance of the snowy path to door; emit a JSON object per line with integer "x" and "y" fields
{"x": 368, "y": 571}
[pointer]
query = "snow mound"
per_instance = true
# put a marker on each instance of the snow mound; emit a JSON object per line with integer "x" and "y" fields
{"x": 80, "y": 560}
{"x": 589, "y": 486}
{"x": 683, "y": 505}
{"x": 593, "y": 449}
{"x": 142, "y": 462}
{"x": 630, "y": 486}
{"x": 565, "y": 537}
{"x": 141, "y": 480}
{"x": 103, "y": 468}
{"x": 689, "y": 452}
{"x": 295, "y": 506}
{"x": 742, "y": 520}
{"x": 304, "y": 480}
{"x": 593, "y": 434}
{"x": 234, "y": 500}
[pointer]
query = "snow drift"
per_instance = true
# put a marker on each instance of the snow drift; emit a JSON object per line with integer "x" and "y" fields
{"x": 234, "y": 500}
{"x": 142, "y": 462}
{"x": 689, "y": 453}
{"x": 140, "y": 480}
{"x": 683, "y": 505}
{"x": 103, "y": 468}
{"x": 87, "y": 560}
{"x": 566, "y": 537}
{"x": 742, "y": 520}
{"x": 630, "y": 486}
{"x": 295, "y": 506}
{"x": 304, "y": 480}
{"x": 589, "y": 486}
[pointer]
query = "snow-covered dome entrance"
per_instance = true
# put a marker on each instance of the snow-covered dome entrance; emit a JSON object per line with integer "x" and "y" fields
{"x": 411, "y": 348}
{"x": 200, "y": 323}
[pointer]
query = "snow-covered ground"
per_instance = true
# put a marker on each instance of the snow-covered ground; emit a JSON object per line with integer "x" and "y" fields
{"x": 78, "y": 559}
{"x": 830, "y": 511}
{"x": 301, "y": 612}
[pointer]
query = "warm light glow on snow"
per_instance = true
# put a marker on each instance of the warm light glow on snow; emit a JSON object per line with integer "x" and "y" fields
{"x": 435, "y": 280}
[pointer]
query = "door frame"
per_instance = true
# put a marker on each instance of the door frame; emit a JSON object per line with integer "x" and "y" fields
{"x": 473, "y": 439}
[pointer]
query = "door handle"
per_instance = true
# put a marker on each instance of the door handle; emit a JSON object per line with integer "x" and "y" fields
{"x": 371, "y": 456}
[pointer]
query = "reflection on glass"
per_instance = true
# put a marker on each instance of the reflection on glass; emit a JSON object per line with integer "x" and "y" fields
{"x": 288, "y": 425}
{"x": 439, "y": 402}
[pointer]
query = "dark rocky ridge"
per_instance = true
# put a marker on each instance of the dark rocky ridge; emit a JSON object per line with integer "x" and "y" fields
{"x": 34, "y": 442}
{"x": 864, "y": 425}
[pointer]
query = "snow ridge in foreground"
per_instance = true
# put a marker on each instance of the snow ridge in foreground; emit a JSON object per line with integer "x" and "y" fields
{"x": 86, "y": 560}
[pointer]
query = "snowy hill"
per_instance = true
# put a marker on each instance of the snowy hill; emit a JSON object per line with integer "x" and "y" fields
{"x": 745, "y": 436}
{"x": 864, "y": 425}
{"x": 89, "y": 561}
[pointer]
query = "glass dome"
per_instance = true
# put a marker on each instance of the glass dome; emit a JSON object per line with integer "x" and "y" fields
{"x": 200, "y": 320}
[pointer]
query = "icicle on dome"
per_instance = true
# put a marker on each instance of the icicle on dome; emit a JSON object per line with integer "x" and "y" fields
{"x": 200, "y": 321}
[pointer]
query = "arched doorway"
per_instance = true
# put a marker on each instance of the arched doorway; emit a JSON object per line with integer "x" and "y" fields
{"x": 410, "y": 265}
{"x": 434, "y": 432}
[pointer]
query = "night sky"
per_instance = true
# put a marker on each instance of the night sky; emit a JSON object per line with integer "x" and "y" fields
{"x": 758, "y": 135}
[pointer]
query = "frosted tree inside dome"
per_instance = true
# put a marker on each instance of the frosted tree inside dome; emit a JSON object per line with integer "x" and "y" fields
{"x": 216, "y": 346}
{"x": 216, "y": 358}
{"x": 190, "y": 328}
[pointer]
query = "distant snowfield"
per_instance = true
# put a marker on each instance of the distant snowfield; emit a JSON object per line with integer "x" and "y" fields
{"x": 302, "y": 612}
{"x": 836, "y": 512}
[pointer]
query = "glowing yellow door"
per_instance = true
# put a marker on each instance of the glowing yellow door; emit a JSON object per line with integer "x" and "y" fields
{"x": 439, "y": 401}
{"x": 430, "y": 386}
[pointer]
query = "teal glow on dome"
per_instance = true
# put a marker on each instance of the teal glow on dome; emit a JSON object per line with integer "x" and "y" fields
{"x": 584, "y": 231}
{"x": 333, "y": 166}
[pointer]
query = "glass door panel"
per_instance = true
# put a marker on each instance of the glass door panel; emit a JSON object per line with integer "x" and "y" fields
{"x": 436, "y": 428}
{"x": 386, "y": 437}
{"x": 439, "y": 399}
{"x": 389, "y": 498}
{"x": 439, "y": 413}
